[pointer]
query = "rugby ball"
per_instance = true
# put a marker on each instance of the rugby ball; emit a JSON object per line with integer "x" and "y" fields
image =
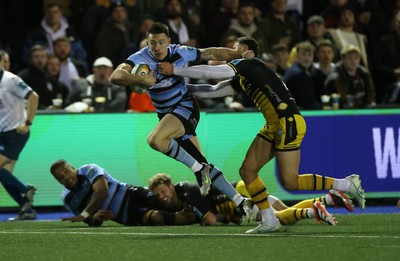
{"x": 140, "y": 69}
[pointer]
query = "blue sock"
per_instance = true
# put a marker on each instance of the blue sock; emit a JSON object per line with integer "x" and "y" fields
{"x": 8, "y": 179}
{"x": 219, "y": 182}
{"x": 180, "y": 154}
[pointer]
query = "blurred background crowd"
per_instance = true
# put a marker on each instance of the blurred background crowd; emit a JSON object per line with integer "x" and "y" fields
{"x": 332, "y": 54}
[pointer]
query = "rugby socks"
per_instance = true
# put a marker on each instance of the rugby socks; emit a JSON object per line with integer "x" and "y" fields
{"x": 342, "y": 185}
{"x": 8, "y": 179}
{"x": 219, "y": 182}
{"x": 291, "y": 215}
{"x": 314, "y": 182}
{"x": 180, "y": 154}
{"x": 259, "y": 195}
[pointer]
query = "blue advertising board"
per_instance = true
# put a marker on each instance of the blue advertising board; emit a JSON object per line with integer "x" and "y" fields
{"x": 368, "y": 145}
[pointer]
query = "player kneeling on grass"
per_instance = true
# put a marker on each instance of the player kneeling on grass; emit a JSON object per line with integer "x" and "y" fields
{"x": 94, "y": 196}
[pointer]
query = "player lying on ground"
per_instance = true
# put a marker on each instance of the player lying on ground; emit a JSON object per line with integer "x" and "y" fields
{"x": 218, "y": 208}
{"x": 95, "y": 196}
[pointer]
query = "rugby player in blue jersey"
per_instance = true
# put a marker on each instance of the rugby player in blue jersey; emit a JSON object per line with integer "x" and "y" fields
{"x": 280, "y": 137}
{"x": 175, "y": 133}
{"x": 94, "y": 196}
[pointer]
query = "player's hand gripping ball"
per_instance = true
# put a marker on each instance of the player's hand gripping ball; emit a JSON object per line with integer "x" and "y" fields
{"x": 141, "y": 69}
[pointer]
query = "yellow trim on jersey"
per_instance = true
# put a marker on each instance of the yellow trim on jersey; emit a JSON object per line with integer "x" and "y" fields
{"x": 233, "y": 67}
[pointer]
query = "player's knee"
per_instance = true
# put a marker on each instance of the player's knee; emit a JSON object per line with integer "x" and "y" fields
{"x": 246, "y": 174}
{"x": 153, "y": 141}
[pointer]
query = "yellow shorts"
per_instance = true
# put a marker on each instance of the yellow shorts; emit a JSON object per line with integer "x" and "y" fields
{"x": 286, "y": 133}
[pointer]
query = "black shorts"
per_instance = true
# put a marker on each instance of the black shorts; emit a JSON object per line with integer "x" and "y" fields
{"x": 188, "y": 113}
{"x": 12, "y": 143}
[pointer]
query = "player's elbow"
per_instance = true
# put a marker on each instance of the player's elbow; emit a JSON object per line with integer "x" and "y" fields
{"x": 117, "y": 77}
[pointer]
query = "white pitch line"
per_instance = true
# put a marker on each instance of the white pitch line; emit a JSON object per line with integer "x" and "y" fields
{"x": 195, "y": 234}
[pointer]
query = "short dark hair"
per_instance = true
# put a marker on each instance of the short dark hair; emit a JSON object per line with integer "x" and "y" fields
{"x": 57, "y": 164}
{"x": 325, "y": 43}
{"x": 251, "y": 43}
{"x": 158, "y": 28}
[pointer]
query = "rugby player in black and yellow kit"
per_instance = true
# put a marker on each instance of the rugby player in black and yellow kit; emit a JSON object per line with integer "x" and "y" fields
{"x": 280, "y": 137}
{"x": 217, "y": 208}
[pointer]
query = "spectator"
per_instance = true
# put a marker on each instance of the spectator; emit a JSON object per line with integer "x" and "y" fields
{"x": 279, "y": 27}
{"x": 97, "y": 90}
{"x": 316, "y": 33}
{"x": 281, "y": 54}
{"x": 36, "y": 76}
{"x": 53, "y": 66}
{"x": 17, "y": 111}
{"x": 244, "y": 25}
{"x": 182, "y": 29}
{"x": 352, "y": 81}
{"x": 92, "y": 21}
{"x": 6, "y": 60}
{"x": 332, "y": 13}
{"x": 218, "y": 23}
{"x": 323, "y": 67}
{"x": 52, "y": 27}
{"x": 345, "y": 35}
{"x": 386, "y": 60}
{"x": 300, "y": 72}
{"x": 70, "y": 69}
{"x": 382, "y": 23}
{"x": 145, "y": 24}
{"x": 115, "y": 35}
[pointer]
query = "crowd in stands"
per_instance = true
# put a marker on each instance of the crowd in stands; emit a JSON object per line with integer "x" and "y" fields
{"x": 322, "y": 48}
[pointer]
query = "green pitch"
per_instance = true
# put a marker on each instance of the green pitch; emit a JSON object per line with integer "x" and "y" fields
{"x": 357, "y": 237}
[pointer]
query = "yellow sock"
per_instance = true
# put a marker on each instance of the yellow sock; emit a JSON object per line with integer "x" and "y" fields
{"x": 258, "y": 193}
{"x": 308, "y": 203}
{"x": 290, "y": 216}
{"x": 314, "y": 182}
{"x": 241, "y": 188}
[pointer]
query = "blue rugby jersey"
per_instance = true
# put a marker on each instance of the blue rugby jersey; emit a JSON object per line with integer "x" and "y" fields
{"x": 168, "y": 90}
{"x": 76, "y": 200}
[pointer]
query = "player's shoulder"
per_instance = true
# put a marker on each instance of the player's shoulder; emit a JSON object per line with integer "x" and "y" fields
{"x": 177, "y": 48}
{"x": 141, "y": 56}
{"x": 11, "y": 76}
{"x": 91, "y": 170}
{"x": 185, "y": 187}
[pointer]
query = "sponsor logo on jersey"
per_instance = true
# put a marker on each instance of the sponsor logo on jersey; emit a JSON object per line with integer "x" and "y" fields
{"x": 282, "y": 106}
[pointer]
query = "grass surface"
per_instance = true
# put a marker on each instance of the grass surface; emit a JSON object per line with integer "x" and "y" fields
{"x": 357, "y": 237}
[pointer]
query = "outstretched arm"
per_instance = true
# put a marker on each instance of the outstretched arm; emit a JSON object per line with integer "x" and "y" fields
{"x": 221, "y": 89}
{"x": 220, "y": 53}
{"x": 198, "y": 72}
